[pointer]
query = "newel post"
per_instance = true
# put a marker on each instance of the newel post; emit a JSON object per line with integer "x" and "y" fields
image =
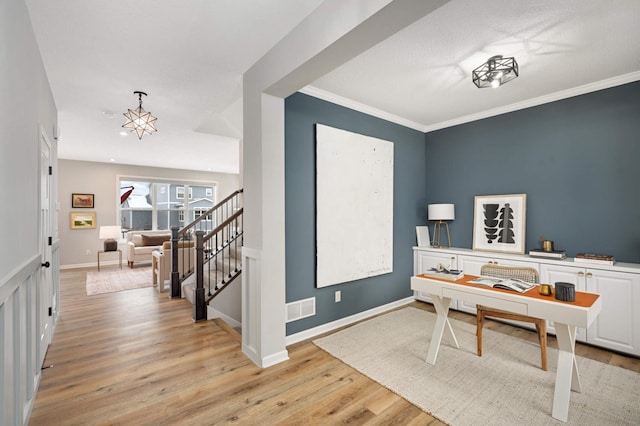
{"x": 176, "y": 287}
{"x": 199, "y": 304}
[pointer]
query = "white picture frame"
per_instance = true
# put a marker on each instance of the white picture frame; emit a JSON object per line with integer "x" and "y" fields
{"x": 422, "y": 236}
{"x": 499, "y": 223}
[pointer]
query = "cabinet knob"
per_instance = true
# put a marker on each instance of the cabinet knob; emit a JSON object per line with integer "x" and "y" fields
{"x": 580, "y": 274}
{"x": 452, "y": 258}
{"x": 589, "y": 275}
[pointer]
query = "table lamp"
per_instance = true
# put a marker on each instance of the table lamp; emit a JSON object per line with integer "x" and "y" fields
{"x": 110, "y": 235}
{"x": 440, "y": 213}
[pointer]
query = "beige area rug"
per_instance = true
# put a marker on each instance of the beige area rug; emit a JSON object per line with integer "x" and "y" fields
{"x": 110, "y": 280}
{"x": 503, "y": 387}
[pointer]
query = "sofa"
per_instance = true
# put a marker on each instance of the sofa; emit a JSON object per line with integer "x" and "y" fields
{"x": 161, "y": 264}
{"x": 140, "y": 245}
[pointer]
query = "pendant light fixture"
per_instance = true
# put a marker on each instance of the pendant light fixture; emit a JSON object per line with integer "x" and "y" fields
{"x": 495, "y": 72}
{"x": 139, "y": 120}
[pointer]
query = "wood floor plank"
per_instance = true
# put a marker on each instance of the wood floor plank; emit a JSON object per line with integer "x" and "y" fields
{"x": 136, "y": 357}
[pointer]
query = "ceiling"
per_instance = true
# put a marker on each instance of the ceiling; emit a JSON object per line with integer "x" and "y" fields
{"x": 190, "y": 56}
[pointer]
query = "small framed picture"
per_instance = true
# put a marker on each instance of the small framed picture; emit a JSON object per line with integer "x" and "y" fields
{"x": 82, "y": 201}
{"x": 422, "y": 234}
{"x": 83, "y": 220}
{"x": 499, "y": 223}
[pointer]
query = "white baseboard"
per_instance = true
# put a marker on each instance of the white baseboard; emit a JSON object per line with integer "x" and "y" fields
{"x": 334, "y": 325}
{"x": 214, "y": 313}
{"x": 268, "y": 360}
{"x": 274, "y": 359}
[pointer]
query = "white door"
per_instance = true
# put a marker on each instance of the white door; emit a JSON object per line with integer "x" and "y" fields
{"x": 45, "y": 290}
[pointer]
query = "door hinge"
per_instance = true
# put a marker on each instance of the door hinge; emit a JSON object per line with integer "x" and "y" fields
{"x": 50, "y": 311}
{"x": 50, "y": 170}
{"x": 50, "y": 240}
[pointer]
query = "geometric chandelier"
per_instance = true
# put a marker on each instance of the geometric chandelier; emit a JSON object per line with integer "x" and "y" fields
{"x": 139, "y": 120}
{"x": 495, "y": 72}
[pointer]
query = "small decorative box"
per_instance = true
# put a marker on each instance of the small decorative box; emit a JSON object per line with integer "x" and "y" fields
{"x": 565, "y": 292}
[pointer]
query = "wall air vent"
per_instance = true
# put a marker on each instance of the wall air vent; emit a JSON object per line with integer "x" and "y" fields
{"x": 301, "y": 309}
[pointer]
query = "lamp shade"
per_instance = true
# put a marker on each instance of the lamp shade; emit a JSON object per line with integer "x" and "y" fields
{"x": 109, "y": 233}
{"x": 441, "y": 212}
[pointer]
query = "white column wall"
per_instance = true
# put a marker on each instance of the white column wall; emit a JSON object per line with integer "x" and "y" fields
{"x": 335, "y": 32}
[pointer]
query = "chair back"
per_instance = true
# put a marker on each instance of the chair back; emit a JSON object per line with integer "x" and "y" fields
{"x": 524, "y": 273}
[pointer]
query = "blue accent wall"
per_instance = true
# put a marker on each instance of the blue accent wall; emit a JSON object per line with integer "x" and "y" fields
{"x": 302, "y": 112}
{"x": 578, "y": 161}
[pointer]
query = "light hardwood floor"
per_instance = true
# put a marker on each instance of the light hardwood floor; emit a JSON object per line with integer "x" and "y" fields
{"x": 136, "y": 358}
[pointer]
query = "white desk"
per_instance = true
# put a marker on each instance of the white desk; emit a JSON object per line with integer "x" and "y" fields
{"x": 567, "y": 316}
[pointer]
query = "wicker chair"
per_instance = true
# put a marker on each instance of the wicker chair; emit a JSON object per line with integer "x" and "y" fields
{"x": 523, "y": 273}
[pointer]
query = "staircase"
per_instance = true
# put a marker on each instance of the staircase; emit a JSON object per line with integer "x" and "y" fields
{"x": 206, "y": 255}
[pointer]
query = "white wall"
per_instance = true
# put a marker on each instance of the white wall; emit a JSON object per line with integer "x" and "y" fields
{"x": 101, "y": 179}
{"x": 26, "y": 103}
{"x": 26, "y": 106}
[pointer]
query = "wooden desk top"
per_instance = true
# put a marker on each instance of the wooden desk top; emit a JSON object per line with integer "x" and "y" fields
{"x": 580, "y": 312}
{"x": 582, "y": 299}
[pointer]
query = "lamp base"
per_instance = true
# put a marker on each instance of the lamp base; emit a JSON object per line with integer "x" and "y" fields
{"x": 437, "y": 242}
{"x": 110, "y": 245}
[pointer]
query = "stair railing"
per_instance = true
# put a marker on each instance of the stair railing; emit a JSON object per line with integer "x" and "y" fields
{"x": 183, "y": 259}
{"x": 217, "y": 261}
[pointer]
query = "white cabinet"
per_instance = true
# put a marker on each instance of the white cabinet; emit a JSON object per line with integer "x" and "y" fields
{"x": 425, "y": 259}
{"x": 618, "y": 325}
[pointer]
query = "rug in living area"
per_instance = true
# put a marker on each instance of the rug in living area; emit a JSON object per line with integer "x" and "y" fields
{"x": 110, "y": 280}
{"x": 503, "y": 387}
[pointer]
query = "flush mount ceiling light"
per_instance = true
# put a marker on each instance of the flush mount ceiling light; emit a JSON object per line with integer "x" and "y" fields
{"x": 139, "y": 120}
{"x": 495, "y": 72}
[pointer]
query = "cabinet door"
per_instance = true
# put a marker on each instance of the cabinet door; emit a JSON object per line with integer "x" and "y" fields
{"x": 472, "y": 264}
{"x": 618, "y": 325}
{"x": 551, "y": 274}
{"x": 425, "y": 260}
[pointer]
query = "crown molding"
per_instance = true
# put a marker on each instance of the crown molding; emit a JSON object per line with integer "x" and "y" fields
{"x": 357, "y": 106}
{"x": 552, "y": 97}
{"x": 564, "y": 94}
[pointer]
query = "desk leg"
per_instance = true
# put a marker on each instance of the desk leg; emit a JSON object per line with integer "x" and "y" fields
{"x": 567, "y": 377}
{"x": 442, "y": 321}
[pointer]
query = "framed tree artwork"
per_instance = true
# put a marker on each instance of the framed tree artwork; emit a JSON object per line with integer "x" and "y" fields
{"x": 499, "y": 223}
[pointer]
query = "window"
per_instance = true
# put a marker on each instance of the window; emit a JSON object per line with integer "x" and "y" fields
{"x": 162, "y": 205}
{"x": 199, "y": 212}
{"x": 180, "y": 192}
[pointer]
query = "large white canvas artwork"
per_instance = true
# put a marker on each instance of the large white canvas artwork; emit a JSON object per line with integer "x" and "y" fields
{"x": 354, "y": 206}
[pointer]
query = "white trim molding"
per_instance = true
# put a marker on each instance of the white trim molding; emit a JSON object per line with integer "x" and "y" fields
{"x": 564, "y": 94}
{"x": 334, "y": 325}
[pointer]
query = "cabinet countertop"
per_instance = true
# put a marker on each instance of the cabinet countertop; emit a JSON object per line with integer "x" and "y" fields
{"x": 633, "y": 268}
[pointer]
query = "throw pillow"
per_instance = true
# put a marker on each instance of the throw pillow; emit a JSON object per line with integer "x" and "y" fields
{"x": 154, "y": 240}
